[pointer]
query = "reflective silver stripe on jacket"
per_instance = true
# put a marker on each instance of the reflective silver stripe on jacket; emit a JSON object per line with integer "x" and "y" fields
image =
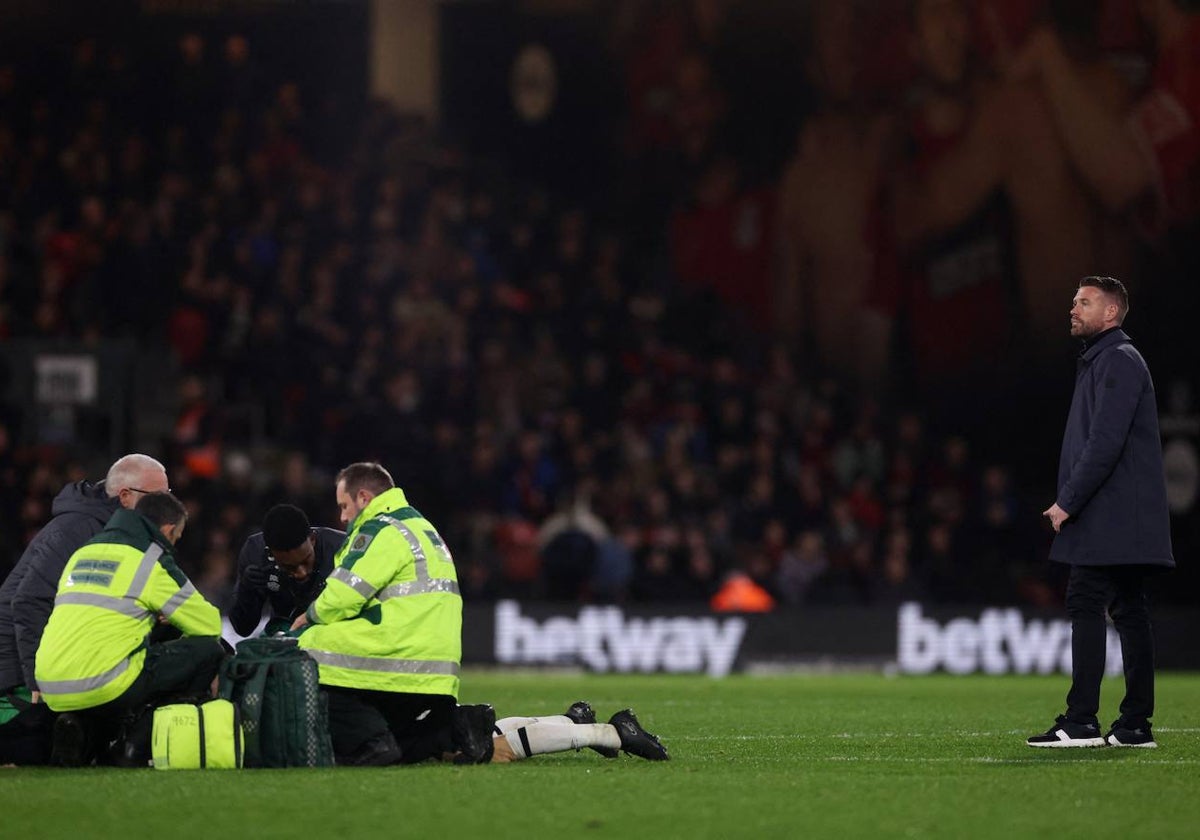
{"x": 86, "y": 684}
{"x": 380, "y": 665}
{"x": 423, "y": 584}
{"x": 145, "y": 567}
{"x": 362, "y": 587}
{"x": 124, "y": 606}
{"x": 417, "y": 587}
{"x": 419, "y": 561}
{"x": 176, "y": 601}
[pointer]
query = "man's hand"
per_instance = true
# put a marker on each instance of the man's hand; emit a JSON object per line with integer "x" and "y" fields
{"x": 301, "y": 621}
{"x": 1056, "y": 515}
{"x": 35, "y": 697}
{"x": 254, "y": 577}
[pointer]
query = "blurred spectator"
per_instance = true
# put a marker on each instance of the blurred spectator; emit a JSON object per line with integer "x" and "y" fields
{"x": 721, "y": 235}
{"x": 860, "y": 455}
{"x": 196, "y": 439}
{"x": 615, "y": 565}
{"x": 194, "y": 85}
{"x": 800, "y": 566}
{"x": 1007, "y": 140}
{"x": 944, "y": 566}
{"x": 295, "y": 485}
{"x": 825, "y": 195}
{"x": 897, "y": 584}
{"x": 1146, "y": 158}
{"x": 240, "y": 82}
{"x": 963, "y": 274}
{"x": 569, "y": 543}
{"x": 740, "y": 593}
{"x": 531, "y": 478}
{"x": 656, "y": 579}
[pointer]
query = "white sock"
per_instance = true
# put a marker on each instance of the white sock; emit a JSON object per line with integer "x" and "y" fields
{"x": 544, "y": 737}
{"x": 512, "y": 724}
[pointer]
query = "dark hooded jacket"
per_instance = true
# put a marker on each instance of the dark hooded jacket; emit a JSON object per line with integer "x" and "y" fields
{"x": 27, "y": 596}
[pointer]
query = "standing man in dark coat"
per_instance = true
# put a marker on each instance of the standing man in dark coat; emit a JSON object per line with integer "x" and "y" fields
{"x": 1111, "y": 520}
{"x": 283, "y": 567}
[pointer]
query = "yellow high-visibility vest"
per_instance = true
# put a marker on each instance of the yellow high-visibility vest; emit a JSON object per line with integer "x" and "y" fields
{"x": 111, "y": 592}
{"x": 390, "y": 616}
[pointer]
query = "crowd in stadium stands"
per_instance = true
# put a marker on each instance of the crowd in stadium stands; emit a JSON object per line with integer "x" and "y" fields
{"x": 580, "y": 426}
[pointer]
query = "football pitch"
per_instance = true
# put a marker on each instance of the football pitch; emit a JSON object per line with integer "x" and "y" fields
{"x": 779, "y": 756}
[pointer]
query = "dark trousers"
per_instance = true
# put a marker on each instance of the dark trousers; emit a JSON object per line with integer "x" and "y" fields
{"x": 176, "y": 670}
{"x": 1119, "y": 590}
{"x": 421, "y": 723}
{"x": 25, "y": 738}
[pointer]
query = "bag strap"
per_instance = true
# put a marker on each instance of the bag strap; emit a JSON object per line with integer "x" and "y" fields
{"x": 225, "y": 681}
{"x": 203, "y": 745}
{"x": 19, "y": 703}
{"x": 253, "y": 678}
{"x": 268, "y": 647}
{"x": 237, "y": 735}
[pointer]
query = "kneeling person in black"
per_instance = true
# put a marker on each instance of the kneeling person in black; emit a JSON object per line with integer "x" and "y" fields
{"x": 283, "y": 566}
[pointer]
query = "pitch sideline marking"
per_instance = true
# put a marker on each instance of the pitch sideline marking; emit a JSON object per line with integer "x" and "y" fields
{"x": 847, "y": 735}
{"x": 985, "y": 760}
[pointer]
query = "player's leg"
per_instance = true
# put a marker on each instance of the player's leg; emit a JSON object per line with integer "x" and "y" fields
{"x": 551, "y": 735}
{"x": 542, "y": 737}
{"x": 1131, "y": 616}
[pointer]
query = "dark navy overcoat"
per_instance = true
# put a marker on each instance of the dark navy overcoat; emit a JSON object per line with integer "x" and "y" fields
{"x": 1110, "y": 472}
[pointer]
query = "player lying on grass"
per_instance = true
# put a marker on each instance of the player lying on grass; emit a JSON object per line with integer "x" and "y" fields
{"x": 474, "y": 736}
{"x": 517, "y": 738}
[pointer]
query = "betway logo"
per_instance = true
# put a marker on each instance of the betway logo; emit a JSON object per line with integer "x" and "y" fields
{"x": 999, "y": 642}
{"x": 603, "y": 639}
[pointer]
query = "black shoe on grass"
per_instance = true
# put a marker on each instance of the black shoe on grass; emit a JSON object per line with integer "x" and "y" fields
{"x": 70, "y": 747}
{"x": 380, "y": 751}
{"x": 1121, "y": 736}
{"x": 473, "y": 729}
{"x": 635, "y": 740}
{"x": 1067, "y": 734}
{"x": 581, "y": 711}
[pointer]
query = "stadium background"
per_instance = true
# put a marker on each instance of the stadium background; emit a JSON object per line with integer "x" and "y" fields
{"x": 538, "y": 285}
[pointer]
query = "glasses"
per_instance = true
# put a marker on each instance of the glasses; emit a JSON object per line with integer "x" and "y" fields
{"x": 146, "y": 492}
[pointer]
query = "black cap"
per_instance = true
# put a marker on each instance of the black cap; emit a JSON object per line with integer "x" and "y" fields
{"x": 285, "y": 527}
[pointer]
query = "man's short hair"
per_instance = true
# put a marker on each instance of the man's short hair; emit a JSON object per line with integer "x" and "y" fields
{"x": 1114, "y": 288}
{"x": 285, "y": 527}
{"x": 162, "y": 508}
{"x": 130, "y": 471}
{"x": 365, "y": 475}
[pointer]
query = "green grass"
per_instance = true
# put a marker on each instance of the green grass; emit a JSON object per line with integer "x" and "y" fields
{"x": 794, "y": 756}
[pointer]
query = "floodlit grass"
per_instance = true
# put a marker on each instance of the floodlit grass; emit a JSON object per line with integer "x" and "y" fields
{"x": 789, "y": 756}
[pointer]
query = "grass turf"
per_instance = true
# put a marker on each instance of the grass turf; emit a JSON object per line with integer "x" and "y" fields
{"x": 788, "y": 756}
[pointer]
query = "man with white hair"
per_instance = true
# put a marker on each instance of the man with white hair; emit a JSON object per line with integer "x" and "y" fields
{"x": 78, "y": 513}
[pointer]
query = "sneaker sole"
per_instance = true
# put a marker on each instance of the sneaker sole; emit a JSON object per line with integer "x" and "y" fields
{"x": 1077, "y": 742}
{"x": 1113, "y": 742}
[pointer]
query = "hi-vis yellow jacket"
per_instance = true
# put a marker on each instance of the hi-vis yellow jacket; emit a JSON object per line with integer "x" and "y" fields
{"x": 390, "y": 616}
{"x": 109, "y": 596}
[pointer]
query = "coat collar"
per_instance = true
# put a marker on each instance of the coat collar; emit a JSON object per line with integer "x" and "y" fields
{"x": 385, "y": 502}
{"x": 135, "y": 530}
{"x": 1109, "y": 339}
